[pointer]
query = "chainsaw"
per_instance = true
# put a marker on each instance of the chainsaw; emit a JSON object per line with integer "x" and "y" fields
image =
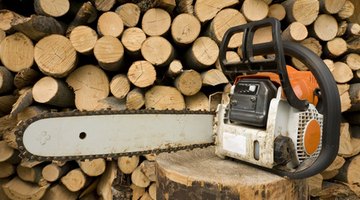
{"x": 276, "y": 118}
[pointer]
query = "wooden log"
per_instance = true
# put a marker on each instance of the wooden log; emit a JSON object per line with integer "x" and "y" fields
{"x": 127, "y": 164}
{"x": 185, "y": 6}
{"x": 158, "y": 51}
{"x": 104, "y": 188}
{"x": 353, "y": 61}
{"x": 353, "y": 44}
{"x": 296, "y": 32}
{"x": 31, "y": 174}
{"x": 75, "y": 180}
{"x": 335, "y": 47}
{"x": 142, "y": 74}
{"x": 303, "y": 11}
{"x": 85, "y": 15}
{"x": 53, "y": 172}
{"x": 345, "y": 101}
{"x": 6, "y": 18}
{"x": 135, "y": 99}
{"x": 332, "y": 170}
{"x": 59, "y": 192}
{"x": 152, "y": 190}
{"x": 325, "y": 27}
{"x": 224, "y": 20}
{"x": 20, "y": 190}
{"x": 103, "y": 5}
{"x": 7, "y": 153}
{"x": 129, "y": 13}
{"x": 156, "y": 22}
{"x": 335, "y": 190}
{"x": 17, "y": 52}
{"x": 330, "y": 64}
{"x": 110, "y": 23}
{"x": 342, "y": 28}
{"x": 83, "y": 38}
{"x": 312, "y": 44}
{"x": 7, "y": 169}
{"x": 90, "y": 84}
{"x": 213, "y": 77}
{"x": 347, "y": 10}
{"x": 26, "y": 77}
{"x": 94, "y": 167}
{"x": 120, "y": 86}
{"x": 139, "y": 179}
{"x": 353, "y": 29}
{"x": 38, "y": 26}
{"x": 51, "y": 8}
{"x": 24, "y": 100}
{"x": 6, "y": 80}
{"x": 231, "y": 56}
{"x": 148, "y": 168}
{"x": 349, "y": 174}
{"x": 132, "y": 39}
{"x": 110, "y": 103}
{"x": 164, "y": 97}
{"x": 175, "y": 68}
{"x": 345, "y": 147}
{"x": 55, "y": 56}
{"x": 203, "y": 53}
{"x": 185, "y": 28}
{"x": 254, "y": 10}
{"x": 168, "y": 5}
{"x": 6, "y": 103}
{"x": 315, "y": 184}
{"x": 354, "y": 92}
{"x": 189, "y": 82}
{"x": 196, "y": 102}
{"x": 184, "y": 171}
{"x": 109, "y": 53}
{"x": 331, "y": 6}
{"x": 342, "y": 72}
{"x": 2, "y": 35}
{"x": 277, "y": 11}
{"x": 146, "y": 196}
{"x": 137, "y": 192}
{"x": 206, "y": 10}
{"x": 56, "y": 92}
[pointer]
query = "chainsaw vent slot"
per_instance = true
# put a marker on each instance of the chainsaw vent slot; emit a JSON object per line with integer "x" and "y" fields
{"x": 82, "y": 135}
{"x": 303, "y": 120}
{"x": 256, "y": 150}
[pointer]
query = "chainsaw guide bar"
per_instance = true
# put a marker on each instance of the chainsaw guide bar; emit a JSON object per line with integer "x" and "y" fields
{"x": 177, "y": 118}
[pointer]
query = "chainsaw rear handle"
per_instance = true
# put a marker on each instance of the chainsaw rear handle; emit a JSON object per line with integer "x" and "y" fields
{"x": 328, "y": 105}
{"x": 247, "y": 64}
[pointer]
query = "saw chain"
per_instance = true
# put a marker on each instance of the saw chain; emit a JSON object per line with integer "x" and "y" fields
{"x": 25, "y": 154}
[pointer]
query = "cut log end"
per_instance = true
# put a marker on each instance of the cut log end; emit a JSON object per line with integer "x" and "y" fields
{"x": 156, "y": 22}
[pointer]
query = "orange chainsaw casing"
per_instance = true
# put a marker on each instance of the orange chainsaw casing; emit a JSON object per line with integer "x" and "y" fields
{"x": 303, "y": 83}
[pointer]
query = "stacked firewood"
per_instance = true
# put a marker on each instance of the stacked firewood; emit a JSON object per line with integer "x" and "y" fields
{"x": 143, "y": 54}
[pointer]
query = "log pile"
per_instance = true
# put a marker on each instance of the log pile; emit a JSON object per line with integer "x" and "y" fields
{"x": 141, "y": 54}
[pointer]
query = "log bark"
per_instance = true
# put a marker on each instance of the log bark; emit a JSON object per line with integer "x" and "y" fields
{"x": 31, "y": 174}
{"x": 51, "y": 8}
{"x": 85, "y": 15}
{"x": 132, "y": 39}
{"x": 55, "y": 56}
{"x": 335, "y": 47}
{"x": 83, "y": 38}
{"x": 158, "y": 51}
{"x": 53, "y": 172}
{"x": 109, "y": 53}
{"x": 90, "y": 84}
{"x": 213, "y": 77}
{"x": 189, "y": 82}
{"x": 325, "y": 27}
{"x": 59, "y": 192}
{"x": 110, "y": 23}
{"x": 198, "y": 101}
{"x": 185, "y": 6}
{"x": 203, "y": 53}
{"x": 295, "y": 32}
{"x": 315, "y": 184}
{"x": 277, "y": 11}
{"x": 185, "y": 28}
{"x": 25, "y": 100}
{"x": 135, "y": 99}
{"x": 54, "y": 92}
{"x": 75, "y": 180}
{"x": 17, "y": 52}
{"x": 255, "y": 10}
{"x": 128, "y": 164}
{"x": 26, "y": 77}
{"x": 120, "y": 86}
{"x": 342, "y": 72}
{"x": 332, "y": 190}
{"x": 331, "y": 6}
{"x": 142, "y": 74}
{"x": 156, "y": 22}
{"x": 224, "y": 20}
{"x": 304, "y": 11}
{"x": 353, "y": 44}
{"x": 18, "y": 189}
{"x": 110, "y": 103}
{"x": 206, "y": 10}
{"x": 349, "y": 174}
{"x": 104, "y": 188}
{"x": 184, "y": 171}
{"x": 7, "y": 169}
{"x": 94, "y": 167}
{"x": 164, "y": 97}
{"x": 129, "y": 13}
{"x": 6, "y": 103}
{"x": 6, "y": 80}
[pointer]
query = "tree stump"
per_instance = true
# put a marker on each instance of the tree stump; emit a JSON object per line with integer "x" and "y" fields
{"x": 200, "y": 174}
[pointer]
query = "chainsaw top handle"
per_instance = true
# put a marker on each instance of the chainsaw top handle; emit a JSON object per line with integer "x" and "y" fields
{"x": 329, "y": 101}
